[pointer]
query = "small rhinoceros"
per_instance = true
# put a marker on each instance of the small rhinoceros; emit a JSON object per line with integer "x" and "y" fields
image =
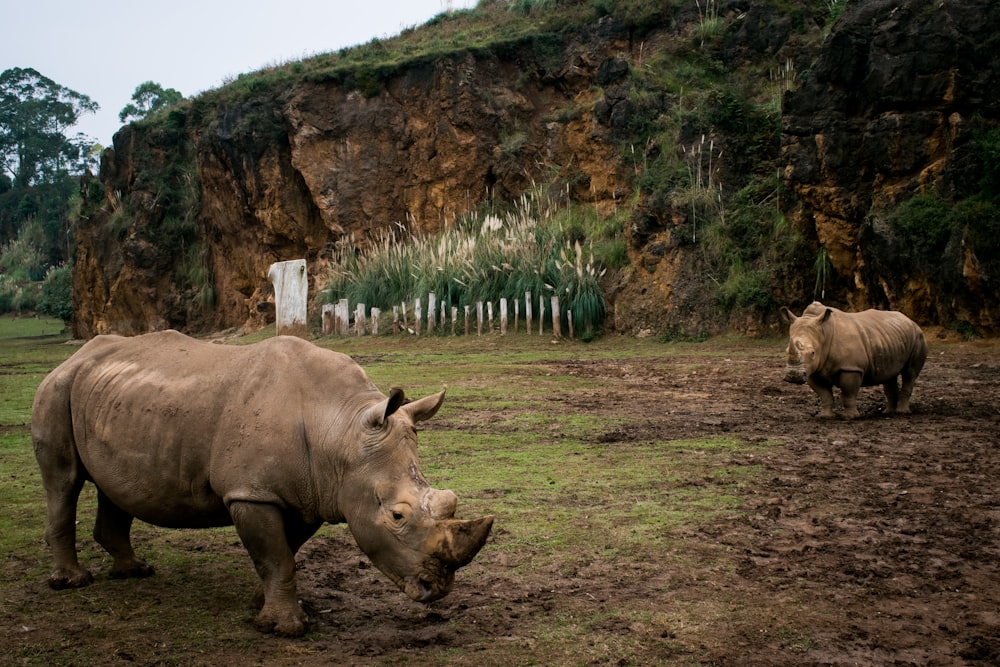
{"x": 829, "y": 348}
{"x": 276, "y": 437}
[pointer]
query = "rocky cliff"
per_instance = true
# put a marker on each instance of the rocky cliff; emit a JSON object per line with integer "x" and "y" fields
{"x": 892, "y": 107}
{"x": 288, "y": 175}
{"x": 202, "y": 201}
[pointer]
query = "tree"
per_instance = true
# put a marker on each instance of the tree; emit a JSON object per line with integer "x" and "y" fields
{"x": 35, "y": 112}
{"x": 148, "y": 98}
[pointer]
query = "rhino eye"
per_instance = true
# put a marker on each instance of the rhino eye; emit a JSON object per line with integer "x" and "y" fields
{"x": 397, "y": 516}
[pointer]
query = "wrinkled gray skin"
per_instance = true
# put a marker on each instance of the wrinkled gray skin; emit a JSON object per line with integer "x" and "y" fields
{"x": 276, "y": 438}
{"x": 829, "y": 348}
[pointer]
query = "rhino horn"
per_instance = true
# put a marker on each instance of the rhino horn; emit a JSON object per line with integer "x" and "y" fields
{"x": 440, "y": 504}
{"x": 462, "y": 540}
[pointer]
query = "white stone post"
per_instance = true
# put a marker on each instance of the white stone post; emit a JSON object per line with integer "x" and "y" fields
{"x": 359, "y": 319}
{"x": 343, "y": 317}
{"x": 527, "y": 311}
{"x": 329, "y": 313}
{"x": 291, "y": 294}
{"x": 556, "y": 318}
{"x": 431, "y": 311}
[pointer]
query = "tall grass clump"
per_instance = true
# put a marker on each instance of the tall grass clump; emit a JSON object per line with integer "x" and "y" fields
{"x": 702, "y": 197}
{"x": 709, "y": 22}
{"x": 479, "y": 259}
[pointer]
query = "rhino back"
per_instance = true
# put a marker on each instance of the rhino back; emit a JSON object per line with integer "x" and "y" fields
{"x": 876, "y": 343}
{"x": 170, "y": 427}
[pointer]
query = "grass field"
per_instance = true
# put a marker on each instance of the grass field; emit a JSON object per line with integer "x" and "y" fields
{"x": 655, "y": 504}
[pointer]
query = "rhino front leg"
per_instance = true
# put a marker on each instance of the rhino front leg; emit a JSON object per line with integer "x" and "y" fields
{"x": 825, "y": 393}
{"x": 262, "y": 529}
{"x": 112, "y": 530}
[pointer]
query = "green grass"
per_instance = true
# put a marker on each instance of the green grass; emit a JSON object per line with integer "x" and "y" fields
{"x": 29, "y": 348}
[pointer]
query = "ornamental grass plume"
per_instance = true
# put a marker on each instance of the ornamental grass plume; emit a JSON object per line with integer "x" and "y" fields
{"x": 476, "y": 259}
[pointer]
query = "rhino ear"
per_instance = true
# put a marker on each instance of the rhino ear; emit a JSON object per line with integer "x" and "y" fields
{"x": 787, "y": 316}
{"x": 425, "y": 408}
{"x": 826, "y": 315}
{"x": 380, "y": 412}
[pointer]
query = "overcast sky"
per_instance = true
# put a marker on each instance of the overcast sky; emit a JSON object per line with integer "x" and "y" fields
{"x": 105, "y": 48}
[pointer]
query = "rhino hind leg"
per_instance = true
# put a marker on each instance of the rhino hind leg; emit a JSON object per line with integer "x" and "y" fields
{"x": 63, "y": 478}
{"x": 112, "y": 530}
{"x": 850, "y": 385}
{"x": 909, "y": 378}
{"x": 905, "y": 392}
{"x": 910, "y": 372}
{"x": 60, "y": 534}
{"x": 262, "y": 529}
{"x": 891, "y": 391}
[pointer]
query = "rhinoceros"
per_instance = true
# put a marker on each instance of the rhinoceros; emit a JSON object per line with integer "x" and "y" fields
{"x": 276, "y": 437}
{"x": 829, "y": 348}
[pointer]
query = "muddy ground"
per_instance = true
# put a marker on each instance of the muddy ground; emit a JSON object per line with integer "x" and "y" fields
{"x": 867, "y": 542}
{"x": 871, "y": 542}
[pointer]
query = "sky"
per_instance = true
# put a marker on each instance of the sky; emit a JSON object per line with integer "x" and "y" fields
{"x": 105, "y": 48}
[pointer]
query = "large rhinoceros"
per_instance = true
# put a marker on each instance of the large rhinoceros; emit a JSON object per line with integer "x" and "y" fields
{"x": 830, "y": 348}
{"x": 276, "y": 437}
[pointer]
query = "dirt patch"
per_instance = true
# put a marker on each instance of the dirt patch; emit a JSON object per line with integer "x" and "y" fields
{"x": 875, "y": 541}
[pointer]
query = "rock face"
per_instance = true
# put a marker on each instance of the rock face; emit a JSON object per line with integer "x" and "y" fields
{"x": 199, "y": 207}
{"x": 890, "y": 109}
{"x": 288, "y": 178}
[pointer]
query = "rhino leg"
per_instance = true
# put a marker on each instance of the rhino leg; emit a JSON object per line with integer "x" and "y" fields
{"x": 909, "y": 377}
{"x": 63, "y": 477}
{"x": 60, "y": 533}
{"x": 262, "y": 529}
{"x": 825, "y": 393}
{"x": 112, "y": 530}
{"x": 891, "y": 390}
{"x": 850, "y": 385}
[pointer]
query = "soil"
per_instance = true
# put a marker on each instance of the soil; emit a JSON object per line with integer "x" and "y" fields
{"x": 866, "y": 542}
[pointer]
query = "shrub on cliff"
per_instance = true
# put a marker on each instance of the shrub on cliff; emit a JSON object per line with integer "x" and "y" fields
{"x": 921, "y": 227}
